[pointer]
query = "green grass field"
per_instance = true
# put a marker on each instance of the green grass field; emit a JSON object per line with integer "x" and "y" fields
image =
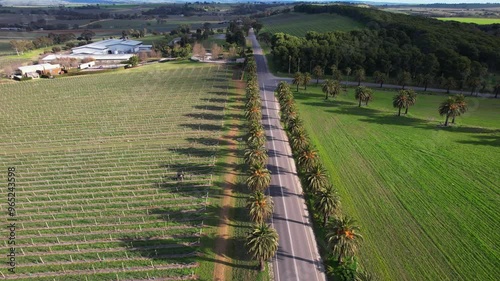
{"x": 472, "y": 20}
{"x": 426, "y": 197}
{"x": 299, "y": 24}
{"x": 96, "y": 161}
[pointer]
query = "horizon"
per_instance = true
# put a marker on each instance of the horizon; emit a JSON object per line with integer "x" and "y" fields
{"x": 395, "y": 2}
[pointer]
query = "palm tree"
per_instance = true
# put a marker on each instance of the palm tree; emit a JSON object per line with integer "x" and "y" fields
{"x": 317, "y": 178}
{"x": 282, "y": 90}
{"x": 260, "y": 207}
{"x": 259, "y": 177}
{"x": 251, "y": 66}
{"x": 256, "y": 134}
{"x": 299, "y": 140}
{"x": 343, "y": 238}
{"x": 253, "y": 101}
{"x": 308, "y": 157}
{"x": 262, "y": 243}
{"x": 317, "y": 72}
{"x": 305, "y": 79}
{"x": 297, "y": 79}
{"x": 449, "y": 107}
{"x": 359, "y": 75}
{"x": 380, "y": 77}
{"x": 462, "y": 106}
{"x": 254, "y": 113}
{"x": 327, "y": 203}
{"x": 331, "y": 87}
{"x": 412, "y": 99}
{"x": 400, "y": 100}
{"x": 362, "y": 93}
{"x": 295, "y": 125}
{"x": 256, "y": 155}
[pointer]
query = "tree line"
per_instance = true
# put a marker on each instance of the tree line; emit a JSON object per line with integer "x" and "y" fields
{"x": 262, "y": 239}
{"x": 453, "y": 106}
{"x": 429, "y": 51}
{"x": 342, "y": 235}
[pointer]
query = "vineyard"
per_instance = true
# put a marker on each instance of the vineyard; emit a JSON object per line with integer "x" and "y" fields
{"x": 114, "y": 172}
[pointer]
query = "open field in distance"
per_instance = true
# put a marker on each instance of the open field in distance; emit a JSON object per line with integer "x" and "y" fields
{"x": 473, "y": 20}
{"x": 298, "y": 24}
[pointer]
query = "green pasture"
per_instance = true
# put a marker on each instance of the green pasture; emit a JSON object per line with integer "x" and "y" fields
{"x": 472, "y": 20}
{"x": 97, "y": 159}
{"x": 298, "y": 24}
{"x": 426, "y": 197}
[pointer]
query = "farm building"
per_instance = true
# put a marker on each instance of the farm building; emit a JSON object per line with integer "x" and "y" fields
{"x": 86, "y": 65}
{"x": 111, "y": 47}
{"x": 35, "y": 70}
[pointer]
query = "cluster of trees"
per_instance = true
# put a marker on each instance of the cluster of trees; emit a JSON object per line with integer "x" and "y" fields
{"x": 342, "y": 233}
{"x": 405, "y": 98}
{"x": 262, "y": 240}
{"x": 235, "y": 34}
{"x": 21, "y": 46}
{"x": 426, "y": 49}
{"x": 136, "y": 33}
{"x": 452, "y": 107}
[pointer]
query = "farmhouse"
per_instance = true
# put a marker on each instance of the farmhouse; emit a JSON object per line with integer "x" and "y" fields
{"x": 38, "y": 69}
{"x": 111, "y": 46}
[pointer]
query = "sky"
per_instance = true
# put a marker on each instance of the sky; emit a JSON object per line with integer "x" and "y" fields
{"x": 435, "y": 1}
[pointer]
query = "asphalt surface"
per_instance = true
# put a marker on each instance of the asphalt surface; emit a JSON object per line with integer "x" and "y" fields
{"x": 298, "y": 256}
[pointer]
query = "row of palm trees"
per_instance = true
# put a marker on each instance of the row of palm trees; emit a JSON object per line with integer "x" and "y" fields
{"x": 262, "y": 240}
{"x": 342, "y": 233}
{"x": 452, "y": 107}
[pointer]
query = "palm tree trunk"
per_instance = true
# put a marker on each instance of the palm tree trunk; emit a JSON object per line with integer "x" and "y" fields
{"x": 381, "y": 83}
{"x": 359, "y": 82}
{"x": 399, "y": 112}
{"x": 359, "y": 102}
{"x": 446, "y": 121}
{"x": 262, "y": 265}
{"x": 453, "y": 120}
{"x": 317, "y": 81}
{"x": 297, "y": 87}
{"x": 406, "y": 110}
{"x": 326, "y": 96}
{"x": 425, "y": 87}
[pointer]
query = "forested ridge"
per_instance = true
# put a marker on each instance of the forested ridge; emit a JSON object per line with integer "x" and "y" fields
{"x": 432, "y": 52}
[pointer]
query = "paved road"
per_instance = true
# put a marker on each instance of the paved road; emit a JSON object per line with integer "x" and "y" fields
{"x": 298, "y": 257}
